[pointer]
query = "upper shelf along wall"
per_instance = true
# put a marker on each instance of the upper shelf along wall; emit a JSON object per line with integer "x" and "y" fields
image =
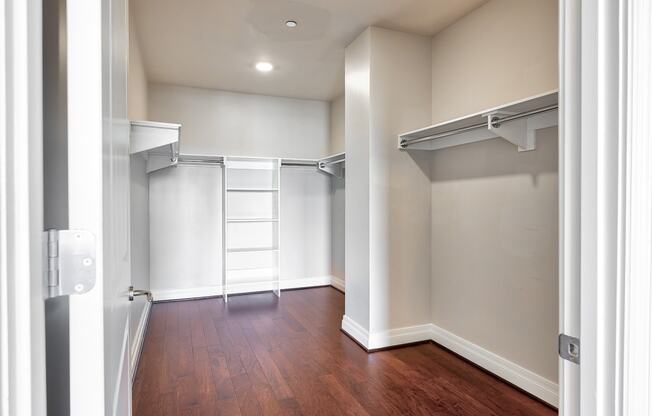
{"x": 158, "y": 141}
{"x": 516, "y": 122}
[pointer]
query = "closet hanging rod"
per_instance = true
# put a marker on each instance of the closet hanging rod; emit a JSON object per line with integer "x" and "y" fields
{"x": 298, "y": 164}
{"x": 186, "y": 161}
{"x": 220, "y": 161}
{"x": 495, "y": 122}
{"x": 406, "y": 142}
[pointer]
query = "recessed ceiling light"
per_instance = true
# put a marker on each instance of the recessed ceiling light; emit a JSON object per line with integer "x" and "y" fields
{"x": 291, "y": 23}
{"x": 264, "y": 66}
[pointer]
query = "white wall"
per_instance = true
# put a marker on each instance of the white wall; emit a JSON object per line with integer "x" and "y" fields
{"x": 226, "y": 123}
{"x": 494, "y": 210}
{"x": 503, "y": 51}
{"x": 305, "y": 224}
{"x": 387, "y": 191}
{"x": 399, "y": 194}
{"x": 494, "y": 248}
{"x": 337, "y": 125}
{"x": 185, "y": 209}
{"x": 137, "y": 77}
{"x": 186, "y": 231}
{"x": 338, "y": 230}
{"x": 337, "y": 145}
{"x": 357, "y": 132}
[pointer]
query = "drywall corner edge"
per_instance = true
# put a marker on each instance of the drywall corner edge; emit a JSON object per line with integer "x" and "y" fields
{"x": 355, "y": 331}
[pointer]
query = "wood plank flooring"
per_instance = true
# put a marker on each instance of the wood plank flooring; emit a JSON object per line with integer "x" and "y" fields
{"x": 262, "y": 356}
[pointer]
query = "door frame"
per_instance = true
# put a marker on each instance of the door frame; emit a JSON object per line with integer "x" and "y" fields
{"x": 606, "y": 205}
{"x": 22, "y": 318}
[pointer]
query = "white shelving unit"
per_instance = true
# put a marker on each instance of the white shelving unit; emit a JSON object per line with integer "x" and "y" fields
{"x": 251, "y": 223}
{"x": 516, "y": 122}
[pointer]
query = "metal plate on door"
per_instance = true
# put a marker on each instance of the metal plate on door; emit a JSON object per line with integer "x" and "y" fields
{"x": 569, "y": 348}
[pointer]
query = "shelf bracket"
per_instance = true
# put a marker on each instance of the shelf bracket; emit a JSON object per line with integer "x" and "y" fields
{"x": 333, "y": 165}
{"x": 516, "y": 132}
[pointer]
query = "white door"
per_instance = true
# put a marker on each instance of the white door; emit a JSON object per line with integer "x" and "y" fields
{"x": 98, "y": 201}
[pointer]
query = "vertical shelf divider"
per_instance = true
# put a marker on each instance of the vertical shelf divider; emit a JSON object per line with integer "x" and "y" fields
{"x": 225, "y": 292}
{"x": 277, "y": 292}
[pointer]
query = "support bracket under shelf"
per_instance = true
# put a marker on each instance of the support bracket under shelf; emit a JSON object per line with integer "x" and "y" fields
{"x": 158, "y": 142}
{"x": 333, "y": 165}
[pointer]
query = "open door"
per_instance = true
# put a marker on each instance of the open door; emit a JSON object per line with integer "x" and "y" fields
{"x": 98, "y": 195}
{"x": 87, "y": 192}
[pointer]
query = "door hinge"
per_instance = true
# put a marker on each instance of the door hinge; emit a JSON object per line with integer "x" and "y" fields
{"x": 69, "y": 262}
{"x": 569, "y": 348}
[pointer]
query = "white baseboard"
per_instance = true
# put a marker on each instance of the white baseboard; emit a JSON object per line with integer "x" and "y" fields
{"x": 399, "y": 336}
{"x": 337, "y": 283}
{"x": 523, "y": 378}
{"x": 139, "y": 338}
{"x": 208, "y": 291}
{"x": 384, "y": 339}
{"x": 355, "y": 330}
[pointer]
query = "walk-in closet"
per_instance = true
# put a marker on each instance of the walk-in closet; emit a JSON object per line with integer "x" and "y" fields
{"x": 344, "y": 206}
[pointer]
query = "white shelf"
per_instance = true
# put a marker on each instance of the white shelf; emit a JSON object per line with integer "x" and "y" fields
{"x": 159, "y": 142}
{"x": 530, "y": 114}
{"x": 251, "y": 250}
{"x": 237, "y": 220}
{"x": 252, "y": 189}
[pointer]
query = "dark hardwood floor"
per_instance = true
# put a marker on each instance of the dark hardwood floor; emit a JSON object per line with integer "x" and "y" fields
{"x": 260, "y": 356}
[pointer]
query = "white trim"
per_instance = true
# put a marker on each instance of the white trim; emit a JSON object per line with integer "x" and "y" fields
{"x": 355, "y": 331}
{"x": 192, "y": 293}
{"x": 388, "y": 338}
{"x": 636, "y": 257}
{"x": 139, "y": 338}
{"x": 400, "y": 336}
{"x": 569, "y": 197}
{"x": 22, "y": 326}
{"x": 121, "y": 368}
{"x": 210, "y": 291}
{"x": 337, "y": 283}
{"x": 523, "y": 378}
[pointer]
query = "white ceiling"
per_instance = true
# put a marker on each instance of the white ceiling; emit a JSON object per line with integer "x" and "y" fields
{"x": 216, "y": 43}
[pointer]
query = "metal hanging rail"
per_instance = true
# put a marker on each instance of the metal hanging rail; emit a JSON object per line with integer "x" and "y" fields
{"x": 495, "y": 122}
{"x": 219, "y": 160}
{"x": 407, "y": 142}
{"x": 299, "y": 164}
{"x": 185, "y": 160}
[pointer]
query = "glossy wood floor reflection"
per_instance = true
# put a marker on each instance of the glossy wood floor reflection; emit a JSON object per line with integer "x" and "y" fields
{"x": 261, "y": 356}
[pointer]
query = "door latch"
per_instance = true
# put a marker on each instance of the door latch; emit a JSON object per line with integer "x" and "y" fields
{"x": 569, "y": 348}
{"x": 69, "y": 262}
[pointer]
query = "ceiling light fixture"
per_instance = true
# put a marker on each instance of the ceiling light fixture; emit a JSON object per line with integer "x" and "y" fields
{"x": 264, "y": 66}
{"x": 291, "y": 23}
